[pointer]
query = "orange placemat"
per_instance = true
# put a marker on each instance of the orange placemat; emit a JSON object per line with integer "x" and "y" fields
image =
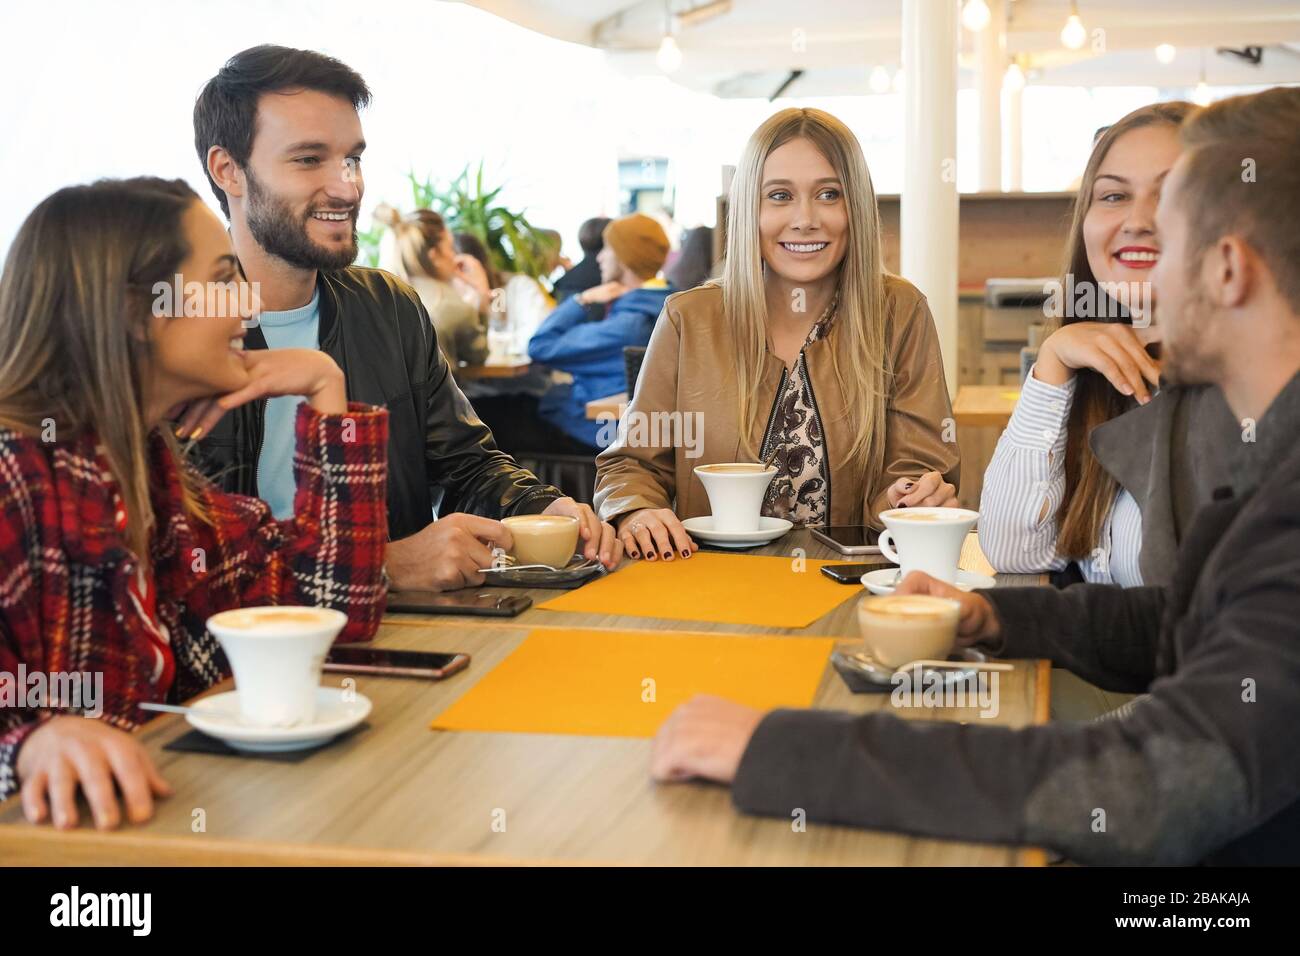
{"x": 625, "y": 683}
{"x": 724, "y": 588}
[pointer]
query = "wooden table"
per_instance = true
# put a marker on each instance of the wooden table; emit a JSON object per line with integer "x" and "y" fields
{"x": 611, "y": 406}
{"x": 398, "y": 793}
{"x": 985, "y": 404}
{"x": 510, "y": 368}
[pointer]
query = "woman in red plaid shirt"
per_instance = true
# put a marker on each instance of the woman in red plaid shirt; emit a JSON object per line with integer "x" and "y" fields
{"x": 121, "y": 310}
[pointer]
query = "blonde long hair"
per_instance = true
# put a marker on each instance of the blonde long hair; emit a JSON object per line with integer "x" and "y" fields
{"x": 859, "y": 353}
{"x": 75, "y": 301}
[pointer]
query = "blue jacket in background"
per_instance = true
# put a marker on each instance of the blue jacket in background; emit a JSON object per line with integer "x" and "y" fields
{"x": 592, "y": 352}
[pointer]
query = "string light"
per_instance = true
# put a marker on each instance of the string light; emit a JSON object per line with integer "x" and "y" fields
{"x": 975, "y": 15}
{"x": 1073, "y": 34}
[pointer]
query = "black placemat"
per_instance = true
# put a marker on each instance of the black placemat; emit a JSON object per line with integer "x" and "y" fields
{"x": 197, "y": 742}
{"x": 856, "y": 682}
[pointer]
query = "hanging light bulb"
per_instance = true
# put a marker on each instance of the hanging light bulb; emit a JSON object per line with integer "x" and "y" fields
{"x": 669, "y": 57}
{"x": 1166, "y": 52}
{"x": 975, "y": 15}
{"x": 1073, "y": 34}
{"x": 1201, "y": 96}
{"x": 879, "y": 80}
{"x": 1014, "y": 79}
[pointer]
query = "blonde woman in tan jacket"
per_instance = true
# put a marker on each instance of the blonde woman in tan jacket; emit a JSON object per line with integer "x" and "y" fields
{"x": 806, "y": 354}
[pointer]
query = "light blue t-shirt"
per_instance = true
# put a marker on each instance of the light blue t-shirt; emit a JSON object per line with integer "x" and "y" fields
{"x": 295, "y": 329}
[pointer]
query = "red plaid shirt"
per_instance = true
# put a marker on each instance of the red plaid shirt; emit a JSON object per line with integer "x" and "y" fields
{"x": 70, "y": 589}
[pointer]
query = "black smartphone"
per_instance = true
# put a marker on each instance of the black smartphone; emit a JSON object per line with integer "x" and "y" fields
{"x": 852, "y": 573}
{"x": 849, "y": 539}
{"x": 481, "y": 603}
{"x": 363, "y": 659}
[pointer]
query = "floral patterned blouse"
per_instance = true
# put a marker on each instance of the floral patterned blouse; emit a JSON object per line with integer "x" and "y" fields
{"x": 796, "y": 444}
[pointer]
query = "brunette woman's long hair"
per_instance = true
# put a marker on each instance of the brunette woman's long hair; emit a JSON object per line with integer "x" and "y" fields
{"x": 1089, "y": 488}
{"x": 75, "y": 304}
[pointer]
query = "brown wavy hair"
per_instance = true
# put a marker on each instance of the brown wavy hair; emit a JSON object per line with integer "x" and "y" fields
{"x": 1089, "y": 488}
{"x": 75, "y": 302}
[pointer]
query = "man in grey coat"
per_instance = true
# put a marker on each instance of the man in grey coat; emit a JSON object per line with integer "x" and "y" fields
{"x": 1206, "y": 767}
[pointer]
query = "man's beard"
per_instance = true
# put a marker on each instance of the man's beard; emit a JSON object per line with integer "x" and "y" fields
{"x": 281, "y": 233}
{"x": 1186, "y": 356}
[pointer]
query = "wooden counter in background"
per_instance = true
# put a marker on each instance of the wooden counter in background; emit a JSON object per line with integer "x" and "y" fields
{"x": 999, "y": 235}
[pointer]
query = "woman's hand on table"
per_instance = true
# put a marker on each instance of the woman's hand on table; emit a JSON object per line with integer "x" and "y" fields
{"x": 653, "y": 533}
{"x": 928, "y": 491}
{"x": 704, "y": 737}
{"x": 598, "y": 537}
{"x": 978, "y": 620}
{"x": 66, "y": 752}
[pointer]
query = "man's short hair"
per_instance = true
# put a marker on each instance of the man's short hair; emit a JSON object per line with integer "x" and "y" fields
{"x": 1249, "y": 188}
{"x": 225, "y": 114}
{"x": 591, "y": 235}
{"x": 1268, "y": 114}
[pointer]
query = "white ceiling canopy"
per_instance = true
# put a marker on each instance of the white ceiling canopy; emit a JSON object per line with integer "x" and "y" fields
{"x": 755, "y": 48}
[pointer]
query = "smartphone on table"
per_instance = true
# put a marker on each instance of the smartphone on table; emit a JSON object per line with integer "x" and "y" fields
{"x": 849, "y": 539}
{"x": 364, "y": 659}
{"x": 852, "y": 573}
{"x": 465, "y": 601}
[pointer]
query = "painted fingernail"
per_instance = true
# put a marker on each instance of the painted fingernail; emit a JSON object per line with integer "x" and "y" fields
{"x": 194, "y": 435}
{"x": 686, "y": 552}
{"x": 668, "y": 555}
{"x": 650, "y": 555}
{"x": 635, "y": 554}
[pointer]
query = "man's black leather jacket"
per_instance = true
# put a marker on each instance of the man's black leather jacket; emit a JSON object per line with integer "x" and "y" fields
{"x": 374, "y": 326}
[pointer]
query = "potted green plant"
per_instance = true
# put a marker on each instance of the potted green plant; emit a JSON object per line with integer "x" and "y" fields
{"x": 514, "y": 244}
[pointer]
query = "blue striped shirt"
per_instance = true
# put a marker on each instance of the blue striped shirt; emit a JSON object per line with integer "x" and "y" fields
{"x": 1023, "y": 488}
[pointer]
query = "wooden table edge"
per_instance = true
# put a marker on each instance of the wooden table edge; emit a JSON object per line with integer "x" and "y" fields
{"x": 126, "y": 848}
{"x": 18, "y": 840}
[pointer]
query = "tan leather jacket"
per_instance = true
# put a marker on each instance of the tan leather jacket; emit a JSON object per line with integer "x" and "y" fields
{"x": 687, "y": 370}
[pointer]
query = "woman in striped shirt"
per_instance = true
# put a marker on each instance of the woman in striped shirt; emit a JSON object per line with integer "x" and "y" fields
{"x": 1047, "y": 501}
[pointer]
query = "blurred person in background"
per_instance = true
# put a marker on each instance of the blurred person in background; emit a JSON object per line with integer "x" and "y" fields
{"x": 694, "y": 264}
{"x": 417, "y": 248}
{"x": 632, "y": 295}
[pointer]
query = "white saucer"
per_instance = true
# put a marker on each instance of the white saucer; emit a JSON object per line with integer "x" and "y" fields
{"x": 218, "y": 716}
{"x": 769, "y": 529}
{"x": 882, "y": 581}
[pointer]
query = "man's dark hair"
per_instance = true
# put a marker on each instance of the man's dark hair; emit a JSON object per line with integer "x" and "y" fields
{"x": 225, "y": 114}
{"x": 591, "y": 235}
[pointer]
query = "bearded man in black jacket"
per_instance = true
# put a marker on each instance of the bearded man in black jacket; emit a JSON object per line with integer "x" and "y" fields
{"x": 279, "y": 136}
